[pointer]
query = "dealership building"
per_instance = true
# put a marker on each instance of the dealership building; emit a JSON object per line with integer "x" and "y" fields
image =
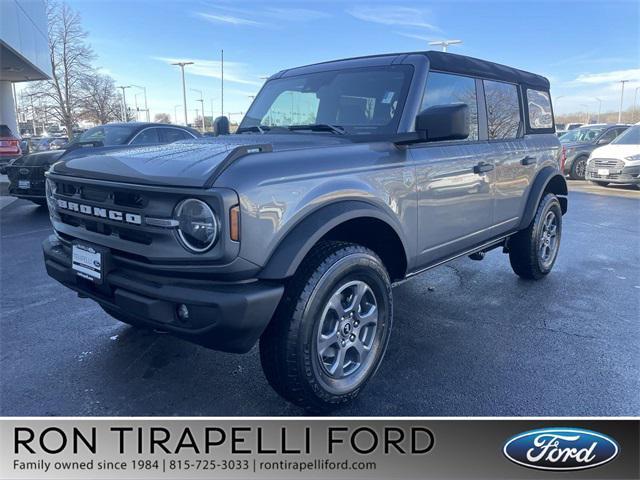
{"x": 24, "y": 52}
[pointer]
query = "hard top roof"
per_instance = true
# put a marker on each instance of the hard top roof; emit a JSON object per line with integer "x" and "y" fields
{"x": 449, "y": 62}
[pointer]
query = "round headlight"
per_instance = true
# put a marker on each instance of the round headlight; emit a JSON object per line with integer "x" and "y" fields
{"x": 197, "y": 225}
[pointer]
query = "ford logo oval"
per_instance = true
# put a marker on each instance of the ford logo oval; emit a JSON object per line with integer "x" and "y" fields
{"x": 561, "y": 449}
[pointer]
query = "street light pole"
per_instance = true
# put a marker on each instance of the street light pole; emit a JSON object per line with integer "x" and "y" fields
{"x": 621, "y": 99}
{"x": 124, "y": 102}
{"x": 146, "y": 107}
{"x": 445, "y": 43}
{"x": 202, "y": 104}
{"x": 587, "y": 109}
{"x": 599, "y": 109}
{"x": 175, "y": 113}
{"x": 184, "y": 89}
{"x": 635, "y": 98}
{"x": 222, "y": 82}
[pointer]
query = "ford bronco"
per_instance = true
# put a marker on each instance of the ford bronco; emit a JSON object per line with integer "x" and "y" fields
{"x": 343, "y": 179}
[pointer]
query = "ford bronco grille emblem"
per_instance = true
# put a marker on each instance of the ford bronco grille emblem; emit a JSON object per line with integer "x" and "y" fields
{"x": 99, "y": 212}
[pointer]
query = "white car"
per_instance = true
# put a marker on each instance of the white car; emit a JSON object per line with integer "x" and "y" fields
{"x": 617, "y": 162}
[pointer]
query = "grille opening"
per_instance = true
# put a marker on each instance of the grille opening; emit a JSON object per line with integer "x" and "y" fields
{"x": 94, "y": 194}
{"x": 67, "y": 189}
{"x": 70, "y": 220}
{"x": 129, "y": 199}
{"x": 133, "y": 236}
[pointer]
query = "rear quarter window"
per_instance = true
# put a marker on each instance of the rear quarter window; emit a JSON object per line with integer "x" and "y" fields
{"x": 539, "y": 106}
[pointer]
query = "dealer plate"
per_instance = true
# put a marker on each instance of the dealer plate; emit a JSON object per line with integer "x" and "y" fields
{"x": 24, "y": 184}
{"x": 87, "y": 262}
{"x": 603, "y": 171}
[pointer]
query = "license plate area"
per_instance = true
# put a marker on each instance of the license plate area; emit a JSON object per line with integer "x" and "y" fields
{"x": 88, "y": 261}
{"x": 603, "y": 171}
{"x": 24, "y": 184}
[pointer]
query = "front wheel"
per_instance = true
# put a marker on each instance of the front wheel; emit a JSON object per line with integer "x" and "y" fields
{"x": 600, "y": 184}
{"x": 330, "y": 332}
{"x": 578, "y": 168}
{"x": 533, "y": 251}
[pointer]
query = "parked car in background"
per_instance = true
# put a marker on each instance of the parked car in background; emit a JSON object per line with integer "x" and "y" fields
{"x": 9, "y": 145}
{"x": 580, "y": 142}
{"x": 49, "y": 143}
{"x": 618, "y": 162}
{"x": 26, "y": 174}
{"x": 573, "y": 126}
{"x": 560, "y": 127}
{"x": 560, "y": 133}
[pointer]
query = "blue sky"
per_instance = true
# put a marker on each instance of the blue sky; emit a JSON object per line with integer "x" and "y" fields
{"x": 583, "y": 47}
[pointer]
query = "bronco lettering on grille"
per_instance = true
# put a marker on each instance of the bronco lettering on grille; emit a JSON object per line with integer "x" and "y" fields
{"x": 115, "y": 215}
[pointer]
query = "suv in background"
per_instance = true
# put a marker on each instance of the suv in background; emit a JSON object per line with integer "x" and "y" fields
{"x": 578, "y": 144}
{"x": 344, "y": 179}
{"x": 26, "y": 174}
{"x": 618, "y": 162}
{"x": 9, "y": 145}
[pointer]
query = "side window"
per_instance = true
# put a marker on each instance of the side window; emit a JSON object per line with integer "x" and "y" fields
{"x": 174, "y": 134}
{"x": 503, "y": 110}
{"x": 447, "y": 89}
{"x": 608, "y": 136}
{"x": 539, "y": 107}
{"x": 146, "y": 137}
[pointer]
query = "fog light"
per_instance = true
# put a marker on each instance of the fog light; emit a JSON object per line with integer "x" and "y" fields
{"x": 183, "y": 312}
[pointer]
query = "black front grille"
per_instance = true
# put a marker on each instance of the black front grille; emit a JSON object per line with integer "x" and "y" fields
{"x": 107, "y": 199}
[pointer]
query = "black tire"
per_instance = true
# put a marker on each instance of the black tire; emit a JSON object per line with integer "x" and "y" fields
{"x": 41, "y": 202}
{"x": 578, "y": 168}
{"x": 290, "y": 346}
{"x": 526, "y": 249}
{"x": 600, "y": 184}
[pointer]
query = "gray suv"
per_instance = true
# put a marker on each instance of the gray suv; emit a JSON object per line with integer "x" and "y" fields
{"x": 344, "y": 179}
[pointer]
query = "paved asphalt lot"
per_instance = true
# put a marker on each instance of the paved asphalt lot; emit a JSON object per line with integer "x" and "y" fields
{"x": 469, "y": 338}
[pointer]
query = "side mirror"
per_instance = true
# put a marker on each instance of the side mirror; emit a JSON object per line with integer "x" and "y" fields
{"x": 603, "y": 141}
{"x": 221, "y": 126}
{"x": 443, "y": 122}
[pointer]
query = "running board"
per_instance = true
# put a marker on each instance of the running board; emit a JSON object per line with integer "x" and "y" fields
{"x": 485, "y": 247}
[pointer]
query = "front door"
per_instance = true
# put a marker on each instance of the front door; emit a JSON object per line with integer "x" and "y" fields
{"x": 454, "y": 178}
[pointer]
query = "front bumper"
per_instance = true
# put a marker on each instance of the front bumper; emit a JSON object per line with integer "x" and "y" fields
{"x": 222, "y": 315}
{"x": 626, "y": 175}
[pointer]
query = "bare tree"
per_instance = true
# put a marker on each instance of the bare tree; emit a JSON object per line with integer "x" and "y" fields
{"x": 100, "y": 102}
{"x": 70, "y": 58}
{"x": 162, "y": 118}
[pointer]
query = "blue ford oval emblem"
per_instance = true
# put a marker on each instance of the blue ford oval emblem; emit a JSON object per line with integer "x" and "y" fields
{"x": 561, "y": 449}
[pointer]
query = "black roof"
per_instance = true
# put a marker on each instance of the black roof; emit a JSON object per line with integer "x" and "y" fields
{"x": 449, "y": 62}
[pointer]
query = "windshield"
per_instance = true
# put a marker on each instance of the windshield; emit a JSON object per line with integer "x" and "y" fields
{"x": 107, "y": 134}
{"x": 631, "y": 136}
{"x": 582, "y": 134}
{"x": 357, "y": 101}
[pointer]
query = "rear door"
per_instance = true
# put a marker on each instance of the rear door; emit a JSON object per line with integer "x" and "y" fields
{"x": 515, "y": 161}
{"x": 454, "y": 178}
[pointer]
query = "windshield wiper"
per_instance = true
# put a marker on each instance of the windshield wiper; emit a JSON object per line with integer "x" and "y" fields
{"x": 320, "y": 127}
{"x": 254, "y": 128}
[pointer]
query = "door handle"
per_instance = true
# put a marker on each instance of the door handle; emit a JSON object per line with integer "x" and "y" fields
{"x": 528, "y": 160}
{"x": 482, "y": 167}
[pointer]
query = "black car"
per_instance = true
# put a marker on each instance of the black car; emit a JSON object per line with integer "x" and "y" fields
{"x": 26, "y": 174}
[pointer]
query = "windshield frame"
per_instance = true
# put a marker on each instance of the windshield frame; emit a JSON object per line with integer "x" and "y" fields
{"x": 391, "y": 128}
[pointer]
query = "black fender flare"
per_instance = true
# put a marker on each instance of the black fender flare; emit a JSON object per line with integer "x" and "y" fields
{"x": 292, "y": 249}
{"x": 544, "y": 179}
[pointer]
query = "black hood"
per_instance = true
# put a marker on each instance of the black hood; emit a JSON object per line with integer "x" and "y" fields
{"x": 38, "y": 159}
{"x": 189, "y": 163}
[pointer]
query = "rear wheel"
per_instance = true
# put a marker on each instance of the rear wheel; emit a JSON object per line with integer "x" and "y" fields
{"x": 330, "y": 332}
{"x": 578, "y": 168}
{"x": 533, "y": 251}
